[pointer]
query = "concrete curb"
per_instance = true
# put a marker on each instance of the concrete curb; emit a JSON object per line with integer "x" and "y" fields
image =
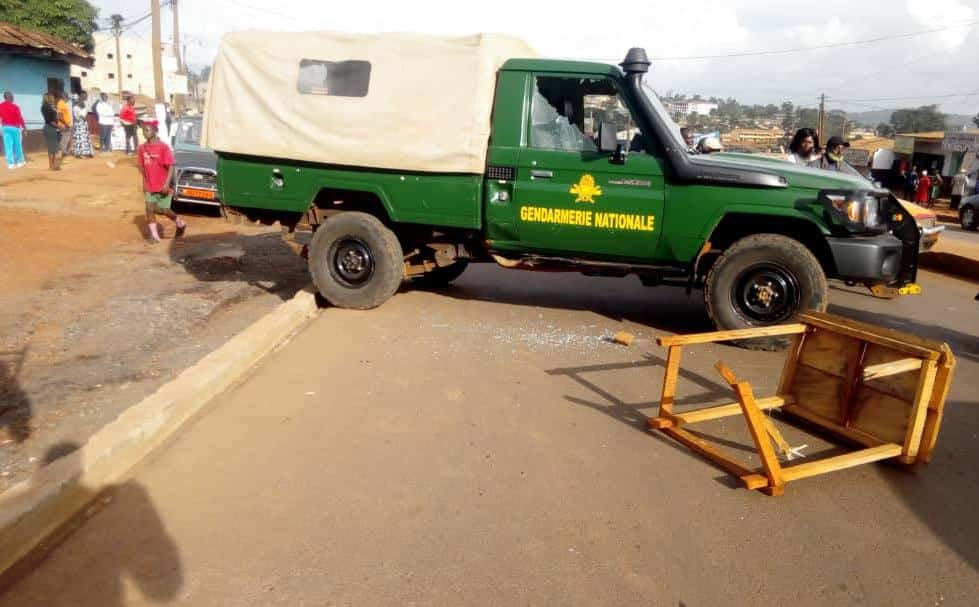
{"x": 38, "y": 507}
{"x": 948, "y": 263}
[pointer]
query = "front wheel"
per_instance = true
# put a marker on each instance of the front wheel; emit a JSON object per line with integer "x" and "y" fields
{"x": 762, "y": 280}
{"x": 355, "y": 261}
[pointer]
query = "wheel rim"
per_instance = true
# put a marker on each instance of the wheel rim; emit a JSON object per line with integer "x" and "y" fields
{"x": 351, "y": 261}
{"x": 766, "y": 293}
{"x": 967, "y": 216}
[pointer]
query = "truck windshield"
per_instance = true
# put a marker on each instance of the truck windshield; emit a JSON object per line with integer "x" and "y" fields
{"x": 672, "y": 127}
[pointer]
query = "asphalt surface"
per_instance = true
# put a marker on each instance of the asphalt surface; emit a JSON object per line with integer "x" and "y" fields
{"x": 485, "y": 445}
{"x": 956, "y": 234}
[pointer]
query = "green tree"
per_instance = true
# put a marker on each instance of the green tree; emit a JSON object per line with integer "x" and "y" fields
{"x": 788, "y": 116}
{"x": 975, "y": 120}
{"x": 72, "y": 20}
{"x": 884, "y": 130}
{"x": 916, "y": 120}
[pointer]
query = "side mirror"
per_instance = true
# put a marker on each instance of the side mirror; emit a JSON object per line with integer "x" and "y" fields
{"x": 608, "y": 143}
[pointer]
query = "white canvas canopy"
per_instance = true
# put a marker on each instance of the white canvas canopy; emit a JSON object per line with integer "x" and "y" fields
{"x": 390, "y": 101}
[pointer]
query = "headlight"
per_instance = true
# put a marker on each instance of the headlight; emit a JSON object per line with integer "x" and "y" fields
{"x": 857, "y": 211}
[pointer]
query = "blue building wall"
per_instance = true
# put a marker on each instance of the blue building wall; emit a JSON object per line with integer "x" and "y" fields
{"x": 27, "y": 78}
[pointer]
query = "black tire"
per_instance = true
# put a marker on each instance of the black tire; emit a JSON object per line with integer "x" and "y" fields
{"x": 355, "y": 261}
{"x": 762, "y": 280}
{"x": 441, "y": 277}
{"x": 969, "y": 217}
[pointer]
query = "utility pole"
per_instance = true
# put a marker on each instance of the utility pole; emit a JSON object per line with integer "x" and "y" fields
{"x": 157, "y": 52}
{"x": 822, "y": 118}
{"x": 117, "y": 31}
{"x": 176, "y": 37}
{"x": 180, "y": 54}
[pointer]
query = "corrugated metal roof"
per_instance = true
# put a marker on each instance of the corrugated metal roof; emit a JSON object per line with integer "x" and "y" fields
{"x": 13, "y": 36}
{"x": 872, "y": 143}
{"x": 936, "y": 135}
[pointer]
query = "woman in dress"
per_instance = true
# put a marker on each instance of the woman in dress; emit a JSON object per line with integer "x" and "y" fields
{"x": 79, "y": 130}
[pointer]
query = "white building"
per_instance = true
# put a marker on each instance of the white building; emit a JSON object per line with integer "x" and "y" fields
{"x": 685, "y": 107}
{"x": 132, "y": 71}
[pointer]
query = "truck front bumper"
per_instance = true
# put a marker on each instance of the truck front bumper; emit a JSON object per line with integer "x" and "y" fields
{"x": 868, "y": 259}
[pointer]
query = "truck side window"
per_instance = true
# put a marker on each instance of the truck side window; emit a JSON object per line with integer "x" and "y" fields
{"x": 335, "y": 78}
{"x": 566, "y": 113}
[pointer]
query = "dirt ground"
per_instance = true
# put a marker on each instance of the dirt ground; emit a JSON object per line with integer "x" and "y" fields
{"x": 93, "y": 318}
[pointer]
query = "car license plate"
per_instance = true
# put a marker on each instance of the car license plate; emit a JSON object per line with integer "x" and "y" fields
{"x": 198, "y": 193}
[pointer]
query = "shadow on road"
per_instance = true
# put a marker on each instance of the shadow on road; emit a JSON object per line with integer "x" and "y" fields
{"x": 261, "y": 260}
{"x": 15, "y": 405}
{"x": 619, "y": 299}
{"x": 964, "y": 345}
{"x": 90, "y": 560}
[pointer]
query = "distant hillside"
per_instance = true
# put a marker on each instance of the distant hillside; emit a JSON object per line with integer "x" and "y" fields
{"x": 875, "y": 117}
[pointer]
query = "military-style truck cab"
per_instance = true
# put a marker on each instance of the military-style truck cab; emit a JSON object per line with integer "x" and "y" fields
{"x": 584, "y": 171}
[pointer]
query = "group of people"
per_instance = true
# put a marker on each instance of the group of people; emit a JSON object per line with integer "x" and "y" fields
{"x": 66, "y": 127}
{"x": 804, "y": 149}
{"x": 923, "y": 187}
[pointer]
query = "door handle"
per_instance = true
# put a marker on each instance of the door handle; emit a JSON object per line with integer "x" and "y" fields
{"x": 539, "y": 174}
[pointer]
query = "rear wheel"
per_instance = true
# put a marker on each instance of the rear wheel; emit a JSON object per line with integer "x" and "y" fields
{"x": 441, "y": 277}
{"x": 967, "y": 217}
{"x": 762, "y": 280}
{"x": 355, "y": 261}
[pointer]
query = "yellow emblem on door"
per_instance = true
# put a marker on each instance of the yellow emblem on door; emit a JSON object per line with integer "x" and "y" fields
{"x": 586, "y": 189}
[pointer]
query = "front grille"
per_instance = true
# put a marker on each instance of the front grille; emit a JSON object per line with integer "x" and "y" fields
{"x": 501, "y": 172}
{"x": 195, "y": 179}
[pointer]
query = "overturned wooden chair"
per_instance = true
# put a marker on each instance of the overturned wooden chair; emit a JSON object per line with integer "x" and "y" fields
{"x": 881, "y": 389}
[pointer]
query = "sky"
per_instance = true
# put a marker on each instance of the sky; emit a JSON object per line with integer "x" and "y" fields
{"x": 938, "y": 67}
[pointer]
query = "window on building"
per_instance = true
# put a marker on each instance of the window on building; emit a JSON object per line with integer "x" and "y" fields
{"x": 84, "y": 73}
{"x": 109, "y": 55}
{"x": 335, "y": 78}
{"x": 130, "y": 76}
{"x": 111, "y": 75}
{"x": 128, "y": 56}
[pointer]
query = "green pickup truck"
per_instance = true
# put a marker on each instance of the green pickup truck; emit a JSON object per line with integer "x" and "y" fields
{"x": 579, "y": 168}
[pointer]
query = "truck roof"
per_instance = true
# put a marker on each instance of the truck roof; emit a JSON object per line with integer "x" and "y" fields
{"x": 561, "y": 65}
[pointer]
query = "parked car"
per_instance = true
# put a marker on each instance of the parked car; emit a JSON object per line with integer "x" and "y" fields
{"x": 969, "y": 212}
{"x": 927, "y": 222}
{"x": 196, "y": 169}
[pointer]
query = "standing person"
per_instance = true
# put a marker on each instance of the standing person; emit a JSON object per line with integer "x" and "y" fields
{"x": 924, "y": 189}
{"x": 832, "y": 160}
{"x": 107, "y": 120}
{"x": 79, "y": 131}
{"x": 959, "y": 185}
{"x": 65, "y": 118}
{"x": 127, "y": 116}
{"x": 155, "y": 161}
{"x": 687, "y": 139}
{"x": 911, "y": 184}
{"x": 52, "y": 130}
{"x": 13, "y": 125}
{"x": 804, "y": 148}
{"x": 936, "y": 186}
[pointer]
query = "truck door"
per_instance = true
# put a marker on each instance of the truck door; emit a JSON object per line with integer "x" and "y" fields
{"x": 569, "y": 196}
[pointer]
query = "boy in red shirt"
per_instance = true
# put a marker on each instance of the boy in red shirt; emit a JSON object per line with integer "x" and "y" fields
{"x": 155, "y": 162}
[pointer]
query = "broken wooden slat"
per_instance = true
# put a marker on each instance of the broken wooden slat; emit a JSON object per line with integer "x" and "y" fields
{"x": 703, "y": 338}
{"x": 840, "y": 462}
{"x": 892, "y": 368}
{"x": 759, "y": 433}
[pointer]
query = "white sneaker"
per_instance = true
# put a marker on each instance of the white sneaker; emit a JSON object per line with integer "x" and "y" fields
{"x": 21, "y": 165}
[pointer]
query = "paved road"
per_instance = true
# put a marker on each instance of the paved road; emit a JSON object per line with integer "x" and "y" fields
{"x": 485, "y": 446}
{"x": 956, "y": 234}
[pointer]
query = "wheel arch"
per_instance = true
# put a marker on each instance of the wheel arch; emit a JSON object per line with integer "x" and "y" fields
{"x": 735, "y": 225}
{"x": 337, "y": 196}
